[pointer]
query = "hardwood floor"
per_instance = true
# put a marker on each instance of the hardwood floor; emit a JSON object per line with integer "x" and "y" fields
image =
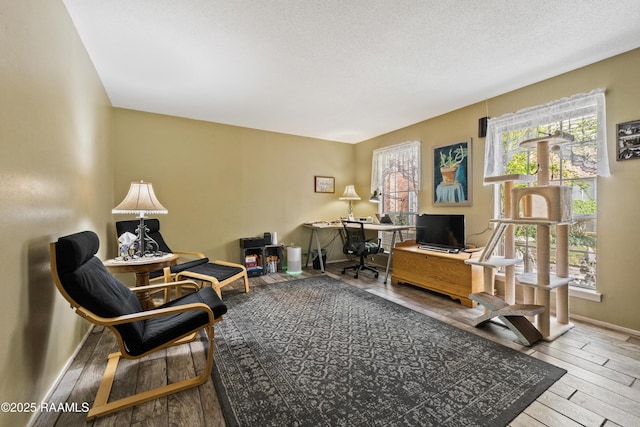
{"x": 601, "y": 387}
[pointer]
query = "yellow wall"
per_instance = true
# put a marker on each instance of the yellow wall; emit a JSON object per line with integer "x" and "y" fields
{"x": 618, "y": 199}
{"x": 56, "y": 177}
{"x": 221, "y": 183}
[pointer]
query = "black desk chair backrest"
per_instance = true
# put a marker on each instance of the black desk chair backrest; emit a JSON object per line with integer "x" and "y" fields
{"x": 357, "y": 244}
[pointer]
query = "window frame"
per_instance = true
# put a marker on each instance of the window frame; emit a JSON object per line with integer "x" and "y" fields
{"x": 560, "y": 113}
{"x": 391, "y": 166}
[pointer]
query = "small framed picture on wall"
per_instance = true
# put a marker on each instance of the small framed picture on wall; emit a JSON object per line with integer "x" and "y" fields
{"x": 628, "y": 140}
{"x": 324, "y": 184}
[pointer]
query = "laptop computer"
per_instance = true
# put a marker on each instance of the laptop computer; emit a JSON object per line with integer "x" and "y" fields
{"x": 386, "y": 219}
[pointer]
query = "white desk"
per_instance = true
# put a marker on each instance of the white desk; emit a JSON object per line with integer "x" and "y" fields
{"x": 337, "y": 228}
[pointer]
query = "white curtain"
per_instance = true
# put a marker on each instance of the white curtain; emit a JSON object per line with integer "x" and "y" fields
{"x": 396, "y": 156}
{"x": 563, "y": 109}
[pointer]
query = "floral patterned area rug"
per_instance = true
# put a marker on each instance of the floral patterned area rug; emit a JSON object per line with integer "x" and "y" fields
{"x": 318, "y": 352}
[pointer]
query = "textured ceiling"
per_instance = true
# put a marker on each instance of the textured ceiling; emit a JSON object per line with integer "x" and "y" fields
{"x": 343, "y": 70}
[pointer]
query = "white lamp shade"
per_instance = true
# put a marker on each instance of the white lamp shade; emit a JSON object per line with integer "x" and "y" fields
{"x": 350, "y": 193}
{"x": 140, "y": 200}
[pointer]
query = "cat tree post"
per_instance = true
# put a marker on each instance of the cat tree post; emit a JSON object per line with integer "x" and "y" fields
{"x": 542, "y": 283}
{"x": 509, "y": 249}
{"x": 562, "y": 270}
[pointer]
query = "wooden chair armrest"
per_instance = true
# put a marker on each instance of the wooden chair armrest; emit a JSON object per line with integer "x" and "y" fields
{"x": 167, "y": 285}
{"x": 196, "y": 254}
{"x": 156, "y": 312}
{"x": 230, "y": 264}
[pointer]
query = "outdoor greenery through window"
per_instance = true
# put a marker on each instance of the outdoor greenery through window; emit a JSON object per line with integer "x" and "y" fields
{"x": 573, "y": 165}
{"x": 576, "y": 164}
{"x": 395, "y": 177}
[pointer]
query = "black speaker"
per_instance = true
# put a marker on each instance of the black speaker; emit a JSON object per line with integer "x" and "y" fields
{"x": 482, "y": 127}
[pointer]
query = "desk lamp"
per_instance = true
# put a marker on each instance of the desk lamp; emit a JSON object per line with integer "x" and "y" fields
{"x": 141, "y": 200}
{"x": 350, "y": 195}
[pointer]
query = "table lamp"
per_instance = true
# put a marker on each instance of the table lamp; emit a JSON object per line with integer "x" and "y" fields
{"x": 350, "y": 195}
{"x": 141, "y": 200}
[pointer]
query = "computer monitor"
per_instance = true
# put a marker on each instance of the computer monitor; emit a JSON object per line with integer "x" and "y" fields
{"x": 441, "y": 231}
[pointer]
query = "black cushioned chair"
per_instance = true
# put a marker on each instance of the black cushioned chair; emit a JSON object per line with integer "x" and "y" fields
{"x": 100, "y": 298}
{"x": 356, "y": 243}
{"x": 217, "y": 273}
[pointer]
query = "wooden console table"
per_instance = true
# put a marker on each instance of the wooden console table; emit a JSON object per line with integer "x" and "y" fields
{"x": 441, "y": 272}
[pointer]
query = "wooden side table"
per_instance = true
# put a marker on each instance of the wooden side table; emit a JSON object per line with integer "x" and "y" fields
{"x": 141, "y": 267}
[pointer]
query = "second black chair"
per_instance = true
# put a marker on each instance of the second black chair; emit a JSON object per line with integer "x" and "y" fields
{"x": 357, "y": 244}
{"x": 218, "y": 273}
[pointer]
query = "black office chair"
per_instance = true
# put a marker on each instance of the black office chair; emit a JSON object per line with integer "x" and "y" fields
{"x": 356, "y": 243}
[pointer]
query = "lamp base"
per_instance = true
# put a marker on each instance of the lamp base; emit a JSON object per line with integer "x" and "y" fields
{"x": 145, "y": 244}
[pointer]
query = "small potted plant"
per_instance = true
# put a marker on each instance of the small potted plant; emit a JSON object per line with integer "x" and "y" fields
{"x": 449, "y": 163}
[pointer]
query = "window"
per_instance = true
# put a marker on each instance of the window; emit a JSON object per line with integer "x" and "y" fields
{"x": 576, "y": 164}
{"x": 395, "y": 176}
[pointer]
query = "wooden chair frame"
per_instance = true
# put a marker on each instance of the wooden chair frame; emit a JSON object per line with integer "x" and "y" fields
{"x": 101, "y": 405}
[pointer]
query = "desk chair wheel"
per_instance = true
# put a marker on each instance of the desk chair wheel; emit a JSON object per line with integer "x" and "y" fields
{"x": 344, "y": 271}
{"x": 355, "y": 276}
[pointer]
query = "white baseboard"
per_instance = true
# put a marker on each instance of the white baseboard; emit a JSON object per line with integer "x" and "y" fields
{"x": 606, "y": 325}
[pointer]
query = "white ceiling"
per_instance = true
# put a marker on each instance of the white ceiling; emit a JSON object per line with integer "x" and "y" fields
{"x": 343, "y": 70}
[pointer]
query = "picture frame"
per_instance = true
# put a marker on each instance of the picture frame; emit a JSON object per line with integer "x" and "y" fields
{"x": 628, "y": 140}
{"x": 452, "y": 174}
{"x": 324, "y": 184}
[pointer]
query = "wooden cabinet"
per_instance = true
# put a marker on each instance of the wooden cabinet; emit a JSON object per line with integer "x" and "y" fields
{"x": 437, "y": 271}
